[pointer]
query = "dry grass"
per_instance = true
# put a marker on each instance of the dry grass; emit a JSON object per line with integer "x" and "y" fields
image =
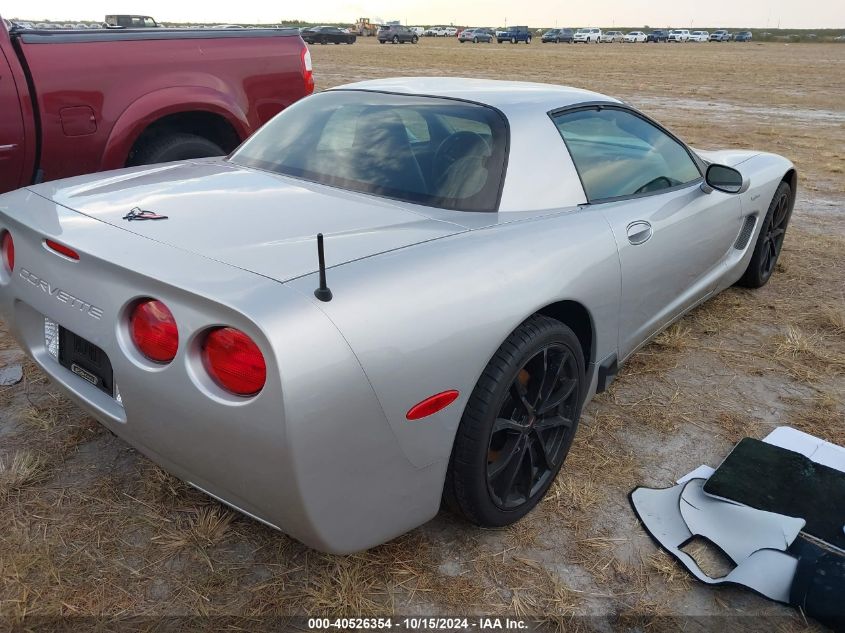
{"x": 21, "y": 470}
{"x": 89, "y": 527}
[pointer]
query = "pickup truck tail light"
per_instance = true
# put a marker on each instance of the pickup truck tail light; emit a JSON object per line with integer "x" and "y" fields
{"x": 307, "y": 70}
{"x": 154, "y": 331}
{"x": 7, "y": 248}
{"x": 234, "y": 361}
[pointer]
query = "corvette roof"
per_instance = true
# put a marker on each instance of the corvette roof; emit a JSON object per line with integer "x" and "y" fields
{"x": 500, "y": 94}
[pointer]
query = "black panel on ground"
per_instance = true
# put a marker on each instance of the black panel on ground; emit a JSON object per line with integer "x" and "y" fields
{"x": 775, "y": 479}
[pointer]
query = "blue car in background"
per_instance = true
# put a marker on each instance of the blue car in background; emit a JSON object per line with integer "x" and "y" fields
{"x": 514, "y": 34}
{"x": 743, "y": 36}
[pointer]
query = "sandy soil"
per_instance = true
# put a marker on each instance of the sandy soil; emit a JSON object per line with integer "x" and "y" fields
{"x": 90, "y": 528}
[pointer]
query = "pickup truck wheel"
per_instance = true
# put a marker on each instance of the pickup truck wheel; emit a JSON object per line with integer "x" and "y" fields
{"x": 528, "y": 40}
{"x": 513, "y": 40}
{"x": 518, "y": 425}
{"x": 178, "y": 146}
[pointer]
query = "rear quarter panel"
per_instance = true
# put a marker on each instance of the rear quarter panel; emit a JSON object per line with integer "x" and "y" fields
{"x": 429, "y": 318}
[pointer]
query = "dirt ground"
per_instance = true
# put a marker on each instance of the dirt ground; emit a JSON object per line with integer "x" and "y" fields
{"x": 90, "y": 528}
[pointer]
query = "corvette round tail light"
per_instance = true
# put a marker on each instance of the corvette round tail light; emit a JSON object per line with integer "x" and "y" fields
{"x": 7, "y": 247}
{"x": 154, "y": 331}
{"x": 234, "y": 361}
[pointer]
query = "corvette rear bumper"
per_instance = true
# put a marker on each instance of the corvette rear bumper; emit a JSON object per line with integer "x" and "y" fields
{"x": 312, "y": 454}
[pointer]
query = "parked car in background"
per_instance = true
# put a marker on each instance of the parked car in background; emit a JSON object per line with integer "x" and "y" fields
{"x": 635, "y": 37}
{"x": 192, "y": 94}
{"x": 743, "y": 36}
{"x": 699, "y": 36}
{"x": 436, "y": 31}
{"x": 475, "y": 36}
{"x": 131, "y": 21}
{"x": 418, "y": 30}
{"x": 658, "y": 35}
{"x": 514, "y": 34}
{"x": 558, "y": 35}
{"x": 396, "y": 34}
{"x": 24, "y": 25}
{"x": 609, "y": 37}
{"x": 679, "y": 35}
{"x": 587, "y": 35}
{"x": 327, "y": 35}
{"x": 451, "y": 31}
{"x": 720, "y": 36}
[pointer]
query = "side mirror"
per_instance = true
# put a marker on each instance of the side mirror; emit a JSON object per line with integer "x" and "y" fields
{"x": 724, "y": 178}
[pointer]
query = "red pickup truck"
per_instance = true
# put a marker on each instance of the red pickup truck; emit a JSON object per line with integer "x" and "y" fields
{"x": 75, "y": 102}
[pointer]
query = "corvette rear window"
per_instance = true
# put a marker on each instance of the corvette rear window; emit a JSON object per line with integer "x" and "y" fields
{"x": 427, "y": 150}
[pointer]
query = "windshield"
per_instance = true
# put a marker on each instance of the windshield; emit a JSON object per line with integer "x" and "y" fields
{"x": 427, "y": 150}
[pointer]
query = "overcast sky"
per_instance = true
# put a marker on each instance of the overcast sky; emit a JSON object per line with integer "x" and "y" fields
{"x": 681, "y": 13}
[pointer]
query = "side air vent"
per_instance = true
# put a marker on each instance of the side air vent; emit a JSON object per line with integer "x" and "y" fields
{"x": 745, "y": 233}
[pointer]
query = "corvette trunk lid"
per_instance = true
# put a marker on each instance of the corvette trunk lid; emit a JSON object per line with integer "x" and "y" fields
{"x": 254, "y": 220}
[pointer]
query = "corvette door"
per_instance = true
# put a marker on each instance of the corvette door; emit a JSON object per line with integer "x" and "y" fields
{"x": 672, "y": 237}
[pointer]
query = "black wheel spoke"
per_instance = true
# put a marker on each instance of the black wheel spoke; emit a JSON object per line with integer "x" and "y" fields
{"x": 780, "y": 212}
{"x": 556, "y": 399}
{"x": 504, "y": 480}
{"x": 510, "y": 454}
{"x": 542, "y": 449}
{"x": 521, "y": 395}
{"x": 547, "y": 424}
{"x": 504, "y": 424}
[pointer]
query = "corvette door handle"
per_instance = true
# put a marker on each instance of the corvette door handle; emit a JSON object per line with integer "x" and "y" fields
{"x": 639, "y": 232}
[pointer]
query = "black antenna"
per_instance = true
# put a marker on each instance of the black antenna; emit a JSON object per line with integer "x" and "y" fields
{"x": 322, "y": 293}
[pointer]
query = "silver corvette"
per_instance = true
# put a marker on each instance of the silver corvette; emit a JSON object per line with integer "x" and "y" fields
{"x": 491, "y": 253}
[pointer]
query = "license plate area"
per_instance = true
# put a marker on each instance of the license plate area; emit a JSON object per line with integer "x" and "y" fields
{"x": 86, "y": 360}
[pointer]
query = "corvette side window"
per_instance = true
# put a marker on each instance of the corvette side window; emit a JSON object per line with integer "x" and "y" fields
{"x": 619, "y": 154}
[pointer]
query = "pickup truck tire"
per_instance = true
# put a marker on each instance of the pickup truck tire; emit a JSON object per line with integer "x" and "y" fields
{"x": 528, "y": 40}
{"x": 177, "y": 146}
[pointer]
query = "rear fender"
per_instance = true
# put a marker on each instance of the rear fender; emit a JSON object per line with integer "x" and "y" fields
{"x": 154, "y": 105}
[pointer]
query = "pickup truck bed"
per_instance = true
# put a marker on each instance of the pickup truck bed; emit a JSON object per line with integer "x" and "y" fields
{"x": 75, "y": 102}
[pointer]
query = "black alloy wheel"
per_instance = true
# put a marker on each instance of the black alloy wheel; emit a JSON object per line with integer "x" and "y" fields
{"x": 770, "y": 240}
{"x": 532, "y": 427}
{"x": 518, "y": 424}
{"x": 776, "y": 232}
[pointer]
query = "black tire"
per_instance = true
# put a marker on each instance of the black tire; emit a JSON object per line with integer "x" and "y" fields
{"x": 770, "y": 240}
{"x": 415, "y": 39}
{"x": 528, "y": 40}
{"x": 177, "y": 146}
{"x": 469, "y": 487}
{"x": 513, "y": 40}
{"x": 395, "y": 39}
{"x": 475, "y": 40}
